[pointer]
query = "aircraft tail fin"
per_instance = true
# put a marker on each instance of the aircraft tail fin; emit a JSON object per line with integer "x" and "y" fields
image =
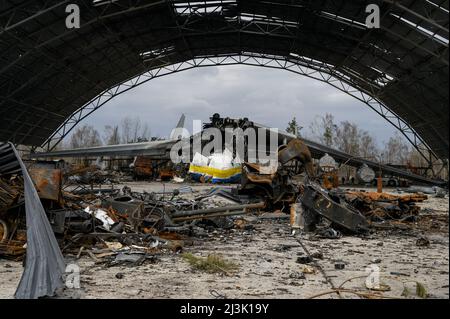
{"x": 178, "y": 131}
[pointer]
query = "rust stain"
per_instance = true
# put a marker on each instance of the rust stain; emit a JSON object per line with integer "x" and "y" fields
{"x": 48, "y": 182}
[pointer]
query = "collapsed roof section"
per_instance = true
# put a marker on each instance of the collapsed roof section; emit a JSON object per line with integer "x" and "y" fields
{"x": 47, "y": 71}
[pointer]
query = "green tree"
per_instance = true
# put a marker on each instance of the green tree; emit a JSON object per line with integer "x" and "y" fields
{"x": 293, "y": 127}
{"x": 323, "y": 129}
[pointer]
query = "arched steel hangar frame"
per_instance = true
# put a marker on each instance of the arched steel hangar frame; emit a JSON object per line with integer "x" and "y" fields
{"x": 52, "y": 77}
{"x": 312, "y": 69}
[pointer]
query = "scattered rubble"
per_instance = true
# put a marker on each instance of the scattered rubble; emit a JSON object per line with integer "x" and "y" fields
{"x": 91, "y": 216}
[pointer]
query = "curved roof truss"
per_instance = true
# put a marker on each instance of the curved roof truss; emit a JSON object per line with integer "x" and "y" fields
{"x": 49, "y": 74}
{"x": 301, "y": 66}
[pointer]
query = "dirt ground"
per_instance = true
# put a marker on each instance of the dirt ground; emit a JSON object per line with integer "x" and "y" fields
{"x": 268, "y": 263}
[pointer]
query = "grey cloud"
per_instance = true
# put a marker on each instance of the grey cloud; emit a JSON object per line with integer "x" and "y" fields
{"x": 267, "y": 96}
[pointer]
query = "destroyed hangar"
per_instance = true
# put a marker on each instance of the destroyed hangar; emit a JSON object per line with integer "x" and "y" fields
{"x": 51, "y": 78}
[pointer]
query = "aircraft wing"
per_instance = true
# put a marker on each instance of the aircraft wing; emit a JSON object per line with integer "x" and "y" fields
{"x": 161, "y": 150}
{"x": 157, "y": 149}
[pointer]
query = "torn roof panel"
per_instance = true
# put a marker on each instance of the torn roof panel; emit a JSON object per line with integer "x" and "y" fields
{"x": 45, "y": 264}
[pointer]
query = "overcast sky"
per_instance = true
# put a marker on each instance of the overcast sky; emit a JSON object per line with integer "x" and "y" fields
{"x": 267, "y": 96}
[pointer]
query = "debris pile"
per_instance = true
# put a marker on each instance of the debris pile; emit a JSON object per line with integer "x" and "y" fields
{"x": 12, "y": 226}
{"x": 10, "y": 192}
{"x": 116, "y": 226}
{"x": 381, "y": 206}
{"x": 106, "y": 222}
{"x": 91, "y": 218}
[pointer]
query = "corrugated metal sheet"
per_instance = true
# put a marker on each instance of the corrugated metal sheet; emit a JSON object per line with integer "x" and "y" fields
{"x": 8, "y": 160}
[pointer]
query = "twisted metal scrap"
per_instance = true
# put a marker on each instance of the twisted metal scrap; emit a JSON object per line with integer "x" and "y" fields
{"x": 44, "y": 261}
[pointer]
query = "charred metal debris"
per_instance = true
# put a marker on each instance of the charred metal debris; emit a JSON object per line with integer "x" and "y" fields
{"x": 86, "y": 210}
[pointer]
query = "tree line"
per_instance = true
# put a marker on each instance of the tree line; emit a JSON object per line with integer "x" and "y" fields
{"x": 348, "y": 137}
{"x": 344, "y": 136}
{"x": 130, "y": 130}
